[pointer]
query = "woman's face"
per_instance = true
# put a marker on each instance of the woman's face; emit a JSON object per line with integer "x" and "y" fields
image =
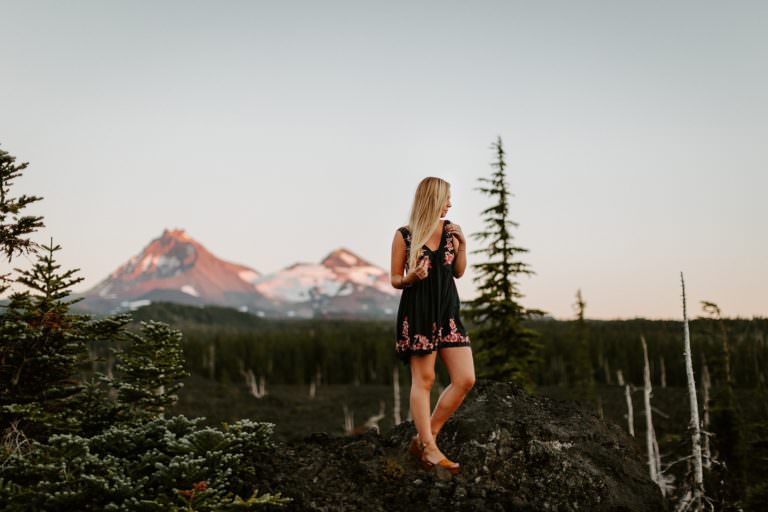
{"x": 447, "y": 205}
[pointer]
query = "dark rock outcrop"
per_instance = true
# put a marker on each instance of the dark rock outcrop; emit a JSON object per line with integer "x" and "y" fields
{"x": 517, "y": 452}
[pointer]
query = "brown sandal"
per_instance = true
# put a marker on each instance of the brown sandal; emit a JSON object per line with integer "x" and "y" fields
{"x": 446, "y": 463}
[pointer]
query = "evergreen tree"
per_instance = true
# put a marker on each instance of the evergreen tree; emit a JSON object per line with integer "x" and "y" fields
{"x": 45, "y": 396}
{"x": 583, "y": 377}
{"x": 152, "y": 366}
{"x": 14, "y": 227}
{"x": 726, "y": 416}
{"x": 42, "y": 347}
{"x": 505, "y": 349}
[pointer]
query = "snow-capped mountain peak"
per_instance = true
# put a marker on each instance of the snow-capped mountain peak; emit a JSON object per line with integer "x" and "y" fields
{"x": 341, "y": 273}
{"x": 176, "y": 262}
{"x": 177, "y": 268}
{"x": 343, "y": 257}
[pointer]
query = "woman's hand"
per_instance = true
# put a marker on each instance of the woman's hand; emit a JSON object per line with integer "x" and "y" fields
{"x": 456, "y": 232}
{"x": 419, "y": 272}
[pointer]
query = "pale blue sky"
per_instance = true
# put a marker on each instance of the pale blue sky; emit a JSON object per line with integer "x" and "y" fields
{"x": 278, "y": 131}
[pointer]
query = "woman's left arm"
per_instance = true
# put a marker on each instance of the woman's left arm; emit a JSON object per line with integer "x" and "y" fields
{"x": 460, "y": 250}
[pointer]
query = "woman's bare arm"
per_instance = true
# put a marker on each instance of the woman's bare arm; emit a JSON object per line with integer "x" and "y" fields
{"x": 460, "y": 259}
{"x": 460, "y": 249}
{"x": 398, "y": 262}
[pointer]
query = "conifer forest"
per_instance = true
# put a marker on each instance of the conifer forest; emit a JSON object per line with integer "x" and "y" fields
{"x": 169, "y": 407}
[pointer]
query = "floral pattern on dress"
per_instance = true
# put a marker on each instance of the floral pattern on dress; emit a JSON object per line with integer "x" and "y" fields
{"x": 449, "y": 251}
{"x": 404, "y": 343}
{"x": 425, "y": 257}
{"x": 455, "y": 335}
{"x": 422, "y": 343}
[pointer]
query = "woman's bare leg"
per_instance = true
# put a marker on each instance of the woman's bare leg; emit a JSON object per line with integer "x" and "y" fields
{"x": 461, "y": 368}
{"x": 422, "y": 378}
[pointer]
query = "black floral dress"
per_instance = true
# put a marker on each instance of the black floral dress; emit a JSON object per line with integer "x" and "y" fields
{"x": 428, "y": 315}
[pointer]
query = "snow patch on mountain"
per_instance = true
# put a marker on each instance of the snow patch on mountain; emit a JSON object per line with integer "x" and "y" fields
{"x": 299, "y": 283}
{"x": 190, "y": 290}
{"x": 105, "y": 290}
{"x": 146, "y": 262}
{"x": 348, "y": 258}
{"x": 248, "y": 276}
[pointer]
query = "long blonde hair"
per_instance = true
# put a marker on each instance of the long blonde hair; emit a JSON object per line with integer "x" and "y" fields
{"x": 431, "y": 195}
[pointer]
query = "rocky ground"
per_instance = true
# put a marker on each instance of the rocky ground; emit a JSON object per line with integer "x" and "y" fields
{"x": 517, "y": 451}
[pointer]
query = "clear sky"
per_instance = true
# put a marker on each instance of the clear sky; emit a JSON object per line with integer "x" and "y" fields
{"x": 275, "y": 132}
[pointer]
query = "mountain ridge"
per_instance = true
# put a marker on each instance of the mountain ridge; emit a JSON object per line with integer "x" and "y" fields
{"x": 175, "y": 267}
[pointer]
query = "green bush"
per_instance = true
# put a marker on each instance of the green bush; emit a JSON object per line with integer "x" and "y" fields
{"x": 160, "y": 465}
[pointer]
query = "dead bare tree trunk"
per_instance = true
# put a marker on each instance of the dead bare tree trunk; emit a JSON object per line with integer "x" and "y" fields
{"x": 619, "y": 377}
{"x": 652, "y": 447}
{"x": 315, "y": 383}
{"x": 250, "y": 382}
{"x": 698, "y": 472}
{"x": 349, "y": 419}
{"x": 663, "y": 373}
{"x": 630, "y": 412}
{"x": 262, "y": 385}
{"x": 256, "y": 390}
{"x": 373, "y": 421}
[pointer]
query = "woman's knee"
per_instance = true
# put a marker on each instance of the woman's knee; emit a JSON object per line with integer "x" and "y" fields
{"x": 424, "y": 380}
{"x": 465, "y": 382}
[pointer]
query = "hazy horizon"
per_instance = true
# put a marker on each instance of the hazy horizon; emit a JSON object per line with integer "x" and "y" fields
{"x": 276, "y": 133}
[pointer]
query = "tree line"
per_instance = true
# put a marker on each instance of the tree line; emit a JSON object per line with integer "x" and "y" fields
{"x": 360, "y": 352}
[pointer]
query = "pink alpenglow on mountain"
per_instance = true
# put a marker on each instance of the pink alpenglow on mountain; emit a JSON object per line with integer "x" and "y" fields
{"x": 342, "y": 273}
{"x": 177, "y": 268}
{"x": 174, "y": 266}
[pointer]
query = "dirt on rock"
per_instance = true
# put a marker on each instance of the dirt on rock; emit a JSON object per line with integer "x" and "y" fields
{"x": 517, "y": 452}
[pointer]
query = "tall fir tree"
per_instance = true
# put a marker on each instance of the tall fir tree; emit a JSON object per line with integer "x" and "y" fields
{"x": 505, "y": 349}
{"x": 43, "y": 348}
{"x": 583, "y": 373}
{"x": 13, "y": 226}
{"x": 727, "y": 418}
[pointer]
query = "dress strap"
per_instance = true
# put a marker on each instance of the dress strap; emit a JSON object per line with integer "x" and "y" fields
{"x": 407, "y": 237}
{"x": 404, "y": 231}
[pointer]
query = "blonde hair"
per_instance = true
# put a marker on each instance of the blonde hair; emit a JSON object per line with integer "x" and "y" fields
{"x": 431, "y": 195}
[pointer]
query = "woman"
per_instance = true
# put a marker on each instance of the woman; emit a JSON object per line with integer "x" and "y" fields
{"x": 428, "y": 320}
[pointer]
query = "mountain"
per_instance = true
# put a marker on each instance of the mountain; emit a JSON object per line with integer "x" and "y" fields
{"x": 177, "y": 268}
{"x": 342, "y": 284}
